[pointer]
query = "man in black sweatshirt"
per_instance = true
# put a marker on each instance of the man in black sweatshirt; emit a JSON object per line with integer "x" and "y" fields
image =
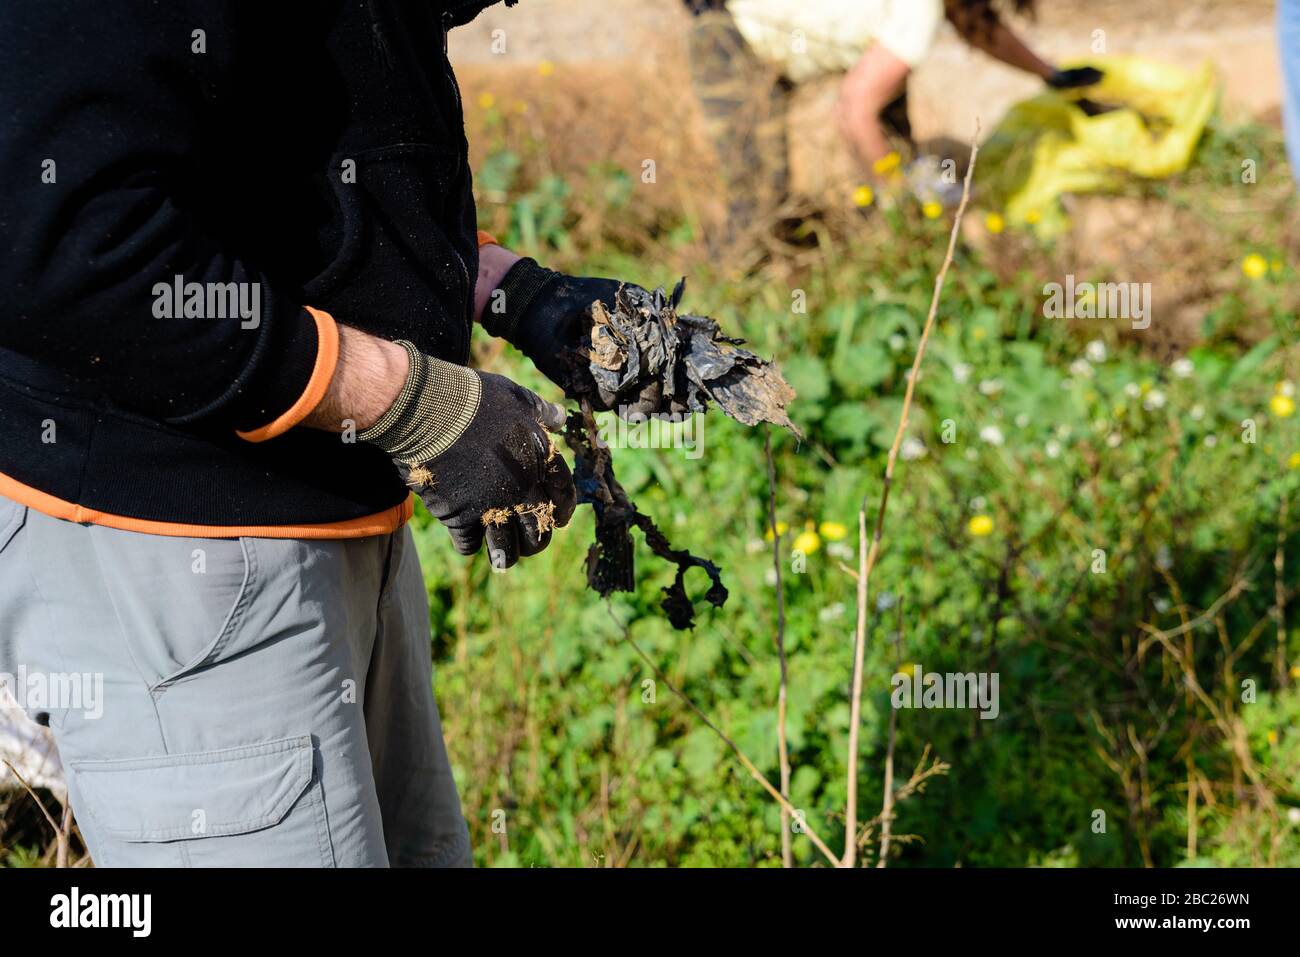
{"x": 242, "y": 266}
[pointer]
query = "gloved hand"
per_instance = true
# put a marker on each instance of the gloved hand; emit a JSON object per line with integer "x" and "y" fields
{"x": 475, "y": 448}
{"x": 1075, "y": 77}
{"x": 548, "y": 317}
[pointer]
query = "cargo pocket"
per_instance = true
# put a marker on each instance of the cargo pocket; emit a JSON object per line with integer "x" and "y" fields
{"x": 255, "y": 806}
{"x": 178, "y": 601}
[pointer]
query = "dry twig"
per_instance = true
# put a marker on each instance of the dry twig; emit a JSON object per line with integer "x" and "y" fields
{"x": 867, "y": 558}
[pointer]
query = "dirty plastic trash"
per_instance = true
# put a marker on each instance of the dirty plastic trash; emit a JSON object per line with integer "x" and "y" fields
{"x": 1058, "y": 142}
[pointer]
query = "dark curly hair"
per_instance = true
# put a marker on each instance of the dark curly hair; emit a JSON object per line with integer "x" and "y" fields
{"x": 981, "y": 16}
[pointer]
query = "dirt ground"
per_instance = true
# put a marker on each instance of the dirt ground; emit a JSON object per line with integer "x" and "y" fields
{"x": 626, "y": 58}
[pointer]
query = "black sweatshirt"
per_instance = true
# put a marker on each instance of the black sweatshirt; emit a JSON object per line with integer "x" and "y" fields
{"x": 312, "y": 155}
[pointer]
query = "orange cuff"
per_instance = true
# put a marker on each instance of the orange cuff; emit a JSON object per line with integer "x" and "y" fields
{"x": 486, "y": 239}
{"x": 322, "y": 373}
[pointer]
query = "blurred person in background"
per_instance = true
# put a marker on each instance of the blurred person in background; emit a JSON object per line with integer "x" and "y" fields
{"x": 746, "y": 55}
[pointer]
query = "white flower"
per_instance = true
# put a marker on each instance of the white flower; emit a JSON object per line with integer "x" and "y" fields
{"x": 1293, "y": 815}
{"x": 1155, "y": 400}
{"x": 1114, "y": 439}
{"x": 1286, "y": 387}
{"x": 1095, "y": 351}
{"x": 1132, "y": 390}
{"x": 831, "y": 612}
{"x": 756, "y": 545}
{"x": 1162, "y": 605}
{"x": 770, "y": 577}
{"x": 1183, "y": 368}
{"x": 991, "y": 434}
{"x": 990, "y": 386}
{"x": 840, "y": 550}
{"x": 1053, "y": 449}
{"x": 961, "y": 372}
{"x": 1022, "y": 420}
{"x": 896, "y": 342}
{"x": 1081, "y": 369}
{"x": 978, "y": 503}
{"x": 1211, "y": 440}
{"x": 912, "y": 449}
{"x": 1197, "y": 412}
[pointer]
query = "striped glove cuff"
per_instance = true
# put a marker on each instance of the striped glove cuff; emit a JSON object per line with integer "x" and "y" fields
{"x": 433, "y": 410}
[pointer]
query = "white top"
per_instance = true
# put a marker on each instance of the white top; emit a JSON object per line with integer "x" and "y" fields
{"x": 809, "y": 37}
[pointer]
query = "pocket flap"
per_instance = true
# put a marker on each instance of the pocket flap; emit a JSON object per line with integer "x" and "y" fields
{"x": 175, "y": 797}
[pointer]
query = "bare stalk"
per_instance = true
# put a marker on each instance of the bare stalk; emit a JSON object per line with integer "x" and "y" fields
{"x": 749, "y": 766}
{"x": 787, "y": 853}
{"x": 1279, "y": 593}
{"x": 887, "y": 803}
{"x": 867, "y": 557}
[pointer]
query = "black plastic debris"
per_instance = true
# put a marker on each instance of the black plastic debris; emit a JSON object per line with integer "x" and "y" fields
{"x": 645, "y": 348}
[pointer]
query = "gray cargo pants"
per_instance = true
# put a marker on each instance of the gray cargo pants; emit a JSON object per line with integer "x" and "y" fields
{"x": 232, "y": 702}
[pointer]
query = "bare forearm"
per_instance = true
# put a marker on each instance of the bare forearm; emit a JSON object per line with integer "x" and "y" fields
{"x": 367, "y": 380}
{"x": 873, "y": 82}
{"x": 1001, "y": 44}
{"x": 371, "y": 370}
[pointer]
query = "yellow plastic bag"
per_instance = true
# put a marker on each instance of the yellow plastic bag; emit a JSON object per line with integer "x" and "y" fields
{"x": 1047, "y": 146}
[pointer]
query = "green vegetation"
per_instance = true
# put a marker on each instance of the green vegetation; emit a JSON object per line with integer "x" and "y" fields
{"x": 1107, "y": 528}
{"x": 1067, "y": 439}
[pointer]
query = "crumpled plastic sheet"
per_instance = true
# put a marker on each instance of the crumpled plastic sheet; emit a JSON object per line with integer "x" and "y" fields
{"x": 644, "y": 341}
{"x": 28, "y": 747}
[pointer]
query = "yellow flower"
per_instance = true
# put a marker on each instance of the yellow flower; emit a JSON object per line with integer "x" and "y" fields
{"x": 1272, "y": 736}
{"x": 781, "y": 529}
{"x": 1275, "y": 266}
{"x": 1295, "y": 671}
{"x": 1294, "y": 461}
{"x": 520, "y": 106}
{"x": 932, "y": 209}
{"x": 486, "y": 101}
{"x": 545, "y": 68}
{"x": 1254, "y": 266}
{"x": 1283, "y": 406}
{"x": 887, "y": 163}
{"x": 994, "y": 223}
{"x": 832, "y": 531}
{"x": 980, "y": 526}
{"x": 864, "y": 196}
{"x": 1033, "y": 216}
{"x": 904, "y": 669}
{"x": 807, "y": 542}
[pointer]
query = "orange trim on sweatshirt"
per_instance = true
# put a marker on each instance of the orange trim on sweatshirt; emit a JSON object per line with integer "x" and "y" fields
{"x": 322, "y": 373}
{"x": 486, "y": 239}
{"x": 382, "y": 523}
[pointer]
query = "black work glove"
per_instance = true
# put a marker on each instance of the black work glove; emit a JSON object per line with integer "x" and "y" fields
{"x": 475, "y": 448}
{"x": 1074, "y": 77}
{"x": 547, "y": 316}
